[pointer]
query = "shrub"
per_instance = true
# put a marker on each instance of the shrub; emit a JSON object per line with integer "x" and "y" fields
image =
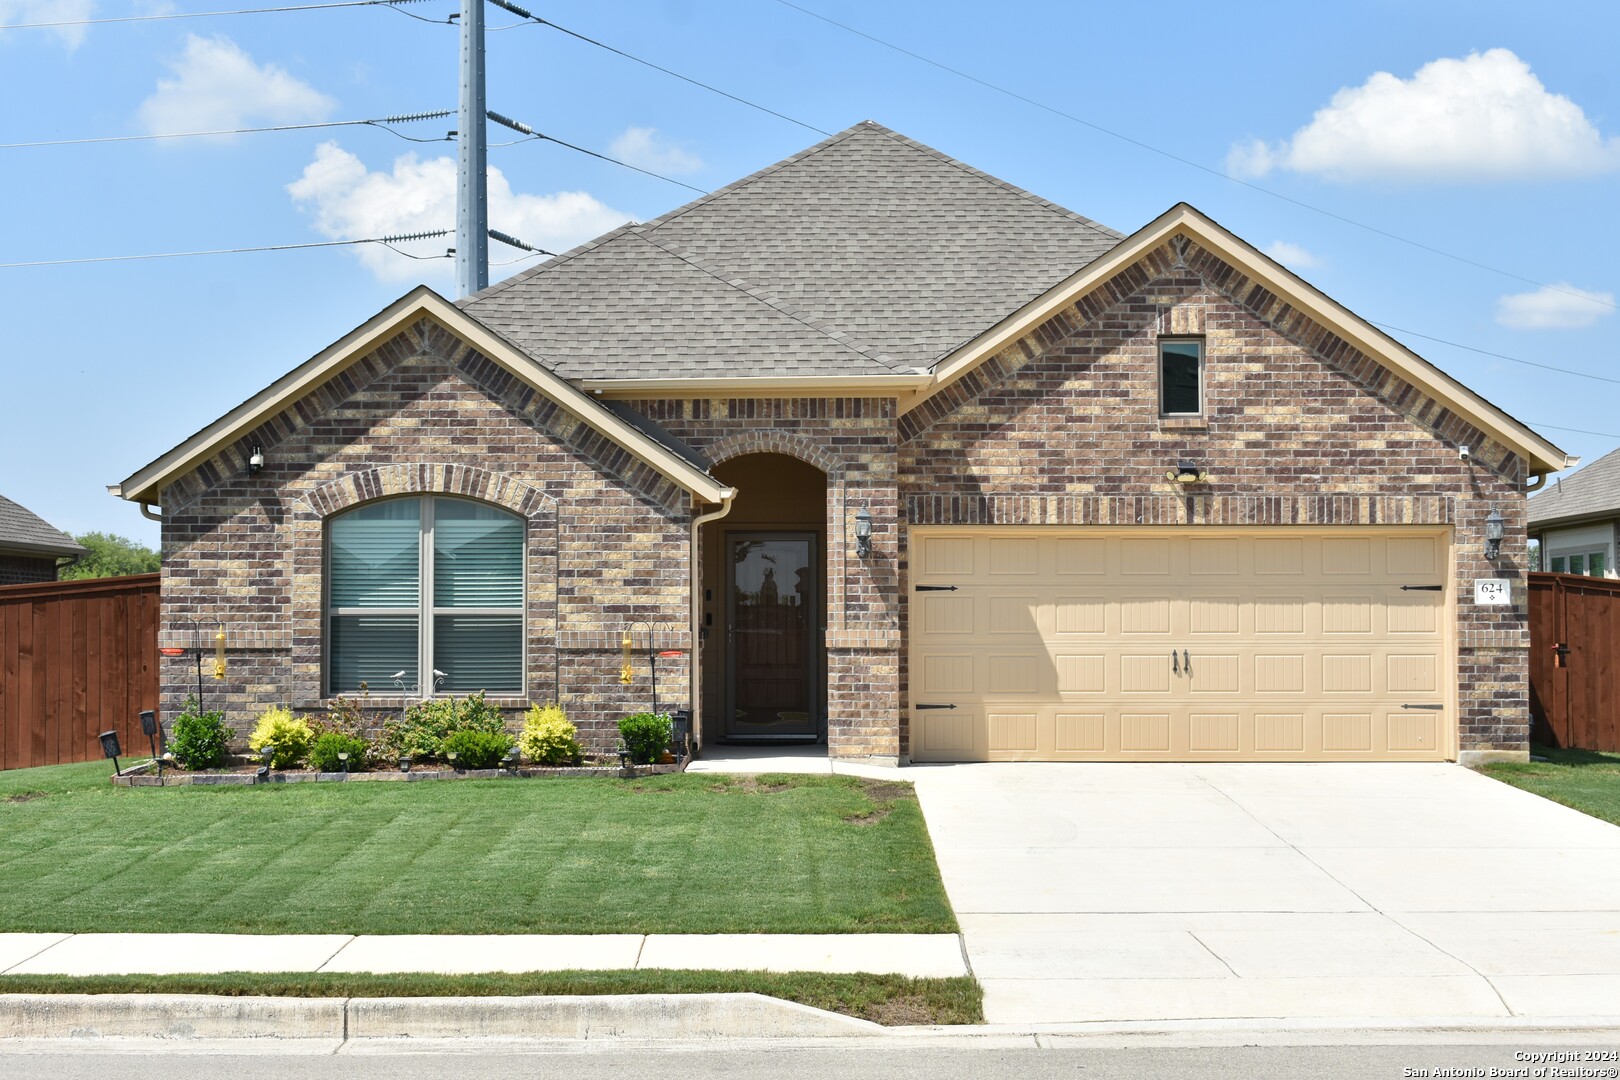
{"x": 424, "y": 727}
{"x": 478, "y": 749}
{"x": 344, "y": 717}
{"x": 286, "y": 736}
{"x": 323, "y": 753}
{"x": 197, "y": 739}
{"x": 548, "y": 737}
{"x": 646, "y": 736}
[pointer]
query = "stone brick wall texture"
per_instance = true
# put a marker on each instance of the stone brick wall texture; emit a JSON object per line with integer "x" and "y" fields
{"x": 1062, "y": 427}
{"x": 22, "y": 570}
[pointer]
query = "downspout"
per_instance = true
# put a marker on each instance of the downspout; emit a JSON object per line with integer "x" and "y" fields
{"x": 151, "y": 515}
{"x": 1536, "y": 482}
{"x": 696, "y": 561}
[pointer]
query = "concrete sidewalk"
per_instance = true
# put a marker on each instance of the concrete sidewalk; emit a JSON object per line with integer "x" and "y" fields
{"x": 916, "y": 955}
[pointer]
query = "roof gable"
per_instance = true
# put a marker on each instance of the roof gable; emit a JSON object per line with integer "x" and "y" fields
{"x": 867, "y": 239}
{"x": 146, "y": 484}
{"x": 1183, "y": 220}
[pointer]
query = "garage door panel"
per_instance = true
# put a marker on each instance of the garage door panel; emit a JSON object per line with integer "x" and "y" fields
{"x": 1219, "y": 648}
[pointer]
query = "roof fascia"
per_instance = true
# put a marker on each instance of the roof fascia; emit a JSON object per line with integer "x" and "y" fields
{"x": 146, "y": 485}
{"x": 1542, "y": 456}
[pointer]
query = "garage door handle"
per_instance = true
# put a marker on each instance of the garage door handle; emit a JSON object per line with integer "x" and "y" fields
{"x": 920, "y": 707}
{"x": 1175, "y": 665}
{"x": 1436, "y": 708}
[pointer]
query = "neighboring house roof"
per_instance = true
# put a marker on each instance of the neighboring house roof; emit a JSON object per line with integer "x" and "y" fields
{"x": 23, "y": 532}
{"x": 147, "y": 483}
{"x": 1592, "y": 492}
{"x": 867, "y": 254}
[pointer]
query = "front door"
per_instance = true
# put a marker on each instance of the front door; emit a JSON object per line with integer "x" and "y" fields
{"x": 772, "y": 630}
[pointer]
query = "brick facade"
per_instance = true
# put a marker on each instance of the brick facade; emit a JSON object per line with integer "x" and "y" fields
{"x": 1062, "y": 426}
{"x": 26, "y": 569}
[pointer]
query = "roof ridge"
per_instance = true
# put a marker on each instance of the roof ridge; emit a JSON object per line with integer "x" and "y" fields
{"x": 550, "y": 264}
{"x": 737, "y": 185}
{"x": 753, "y": 292}
{"x": 995, "y": 181}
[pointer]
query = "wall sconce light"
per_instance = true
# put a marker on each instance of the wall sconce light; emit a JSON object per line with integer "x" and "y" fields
{"x": 863, "y": 533}
{"x": 1187, "y": 473}
{"x": 1493, "y": 534}
{"x": 256, "y": 459}
{"x": 111, "y": 749}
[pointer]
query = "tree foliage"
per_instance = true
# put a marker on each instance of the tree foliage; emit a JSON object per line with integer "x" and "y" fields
{"x": 109, "y": 555}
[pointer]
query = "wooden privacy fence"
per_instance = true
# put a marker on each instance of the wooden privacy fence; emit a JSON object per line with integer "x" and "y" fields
{"x": 76, "y": 658}
{"x": 1574, "y": 632}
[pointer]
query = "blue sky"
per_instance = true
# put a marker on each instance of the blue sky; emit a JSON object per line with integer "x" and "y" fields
{"x": 1487, "y": 130}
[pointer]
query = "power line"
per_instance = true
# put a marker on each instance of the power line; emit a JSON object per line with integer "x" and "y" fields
{"x": 533, "y": 135}
{"x": 536, "y": 20}
{"x": 1578, "y": 431}
{"x": 387, "y": 241}
{"x": 381, "y": 122}
{"x": 1178, "y": 158}
{"x": 205, "y": 14}
{"x": 1499, "y": 356}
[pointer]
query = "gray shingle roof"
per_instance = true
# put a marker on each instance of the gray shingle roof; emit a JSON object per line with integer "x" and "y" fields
{"x": 866, "y": 254}
{"x": 22, "y": 530}
{"x": 1589, "y": 492}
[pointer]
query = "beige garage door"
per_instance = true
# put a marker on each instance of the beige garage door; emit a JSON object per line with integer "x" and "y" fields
{"x": 1153, "y": 645}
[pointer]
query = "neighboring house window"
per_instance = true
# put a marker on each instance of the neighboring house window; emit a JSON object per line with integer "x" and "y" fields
{"x": 1181, "y": 377}
{"x": 1593, "y": 563}
{"x": 431, "y": 587}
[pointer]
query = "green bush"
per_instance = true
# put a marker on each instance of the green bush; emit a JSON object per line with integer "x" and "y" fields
{"x": 548, "y": 737}
{"x": 424, "y": 727}
{"x": 646, "y": 736}
{"x": 323, "y": 753}
{"x": 197, "y": 739}
{"x": 478, "y": 749}
{"x": 344, "y": 717}
{"x": 286, "y": 736}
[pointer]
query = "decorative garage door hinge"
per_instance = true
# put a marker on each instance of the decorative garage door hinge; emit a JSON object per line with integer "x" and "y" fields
{"x": 1423, "y": 588}
{"x": 920, "y": 707}
{"x": 1434, "y": 707}
{"x": 936, "y": 588}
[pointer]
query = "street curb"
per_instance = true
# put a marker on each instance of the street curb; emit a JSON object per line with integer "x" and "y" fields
{"x": 632, "y": 1016}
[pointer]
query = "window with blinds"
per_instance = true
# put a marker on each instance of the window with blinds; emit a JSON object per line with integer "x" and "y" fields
{"x": 426, "y": 593}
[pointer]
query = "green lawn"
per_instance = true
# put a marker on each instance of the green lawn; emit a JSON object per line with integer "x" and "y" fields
{"x": 1586, "y": 780}
{"x": 883, "y": 999}
{"x": 670, "y": 854}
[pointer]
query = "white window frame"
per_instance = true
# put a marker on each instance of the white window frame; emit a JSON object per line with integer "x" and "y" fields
{"x": 1583, "y": 552}
{"x": 1203, "y": 363}
{"x": 425, "y": 610}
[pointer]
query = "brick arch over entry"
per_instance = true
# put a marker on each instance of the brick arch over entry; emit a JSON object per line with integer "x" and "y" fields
{"x": 767, "y": 441}
{"x": 536, "y": 507}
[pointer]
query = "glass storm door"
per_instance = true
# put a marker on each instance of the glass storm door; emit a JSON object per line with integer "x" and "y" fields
{"x": 772, "y": 629}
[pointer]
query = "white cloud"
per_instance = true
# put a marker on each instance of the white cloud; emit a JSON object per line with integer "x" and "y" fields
{"x": 1484, "y": 117}
{"x": 217, "y": 85}
{"x": 644, "y": 148}
{"x": 1292, "y": 255}
{"x": 351, "y": 202}
{"x": 1553, "y": 307}
{"x": 36, "y": 11}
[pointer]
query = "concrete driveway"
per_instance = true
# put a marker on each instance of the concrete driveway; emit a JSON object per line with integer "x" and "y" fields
{"x": 1165, "y": 892}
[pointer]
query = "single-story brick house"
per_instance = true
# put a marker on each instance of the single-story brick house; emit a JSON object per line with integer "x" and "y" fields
{"x": 30, "y": 546}
{"x": 923, "y": 467}
{"x": 1577, "y": 520}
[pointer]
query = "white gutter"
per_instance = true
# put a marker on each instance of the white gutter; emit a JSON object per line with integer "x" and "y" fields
{"x": 148, "y": 513}
{"x": 694, "y": 670}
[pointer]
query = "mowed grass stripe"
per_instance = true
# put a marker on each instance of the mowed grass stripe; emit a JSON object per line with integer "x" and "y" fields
{"x": 674, "y": 854}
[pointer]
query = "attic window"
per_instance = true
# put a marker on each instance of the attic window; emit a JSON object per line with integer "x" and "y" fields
{"x": 1181, "y": 376}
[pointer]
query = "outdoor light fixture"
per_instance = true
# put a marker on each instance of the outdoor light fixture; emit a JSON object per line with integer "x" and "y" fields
{"x": 405, "y": 763}
{"x": 111, "y": 749}
{"x": 343, "y": 760}
{"x": 1493, "y": 534}
{"x": 451, "y": 758}
{"x": 264, "y": 770}
{"x": 511, "y": 759}
{"x": 149, "y": 728}
{"x": 256, "y": 459}
{"x": 1187, "y": 473}
{"x": 863, "y": 533}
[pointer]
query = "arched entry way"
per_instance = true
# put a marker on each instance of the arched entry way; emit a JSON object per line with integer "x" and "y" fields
{"x": 765, "y": 604}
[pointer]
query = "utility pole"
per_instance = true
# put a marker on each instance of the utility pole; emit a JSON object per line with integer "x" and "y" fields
{"x": 472, "y": 212}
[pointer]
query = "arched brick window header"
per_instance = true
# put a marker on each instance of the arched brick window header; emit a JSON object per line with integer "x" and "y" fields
{"x": 426, "y": 478}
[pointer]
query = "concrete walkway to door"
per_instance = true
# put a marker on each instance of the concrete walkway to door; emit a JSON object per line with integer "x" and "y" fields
{"x": 1187, "y": 891}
